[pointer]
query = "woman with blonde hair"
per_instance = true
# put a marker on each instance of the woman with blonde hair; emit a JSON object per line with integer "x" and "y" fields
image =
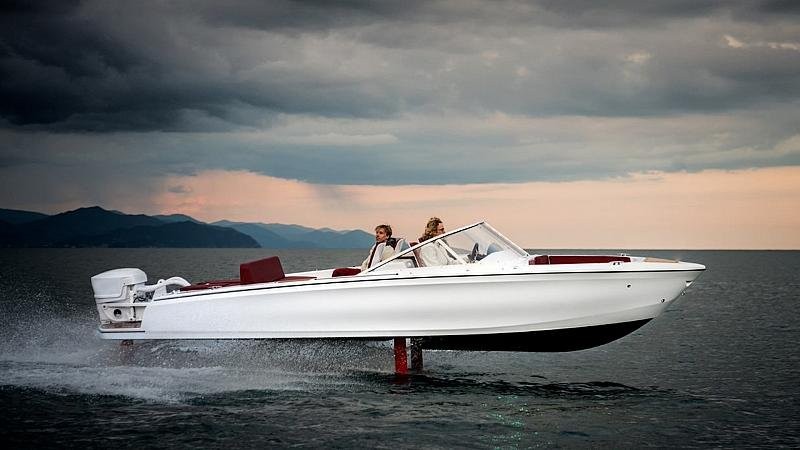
{"x": 434, "y": 254}
{"x": 434, "y": 227}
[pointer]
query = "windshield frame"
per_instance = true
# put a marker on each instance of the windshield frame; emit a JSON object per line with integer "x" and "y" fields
{"x": 522, "y": 253}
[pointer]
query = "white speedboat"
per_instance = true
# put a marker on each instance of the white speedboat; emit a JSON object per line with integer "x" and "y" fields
{"x": 490, "y": 295}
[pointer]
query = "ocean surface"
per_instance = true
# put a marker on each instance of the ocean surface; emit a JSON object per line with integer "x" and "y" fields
{"x": 720, "y": 368}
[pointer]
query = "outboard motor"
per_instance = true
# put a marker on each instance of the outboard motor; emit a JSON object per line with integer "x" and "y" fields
{"x": 114, "y": 292}
{"x": 122, "y": 296}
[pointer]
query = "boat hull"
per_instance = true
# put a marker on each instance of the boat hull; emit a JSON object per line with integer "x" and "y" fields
{"x": 522, "y": 311}
{"x": 561, "y": 340}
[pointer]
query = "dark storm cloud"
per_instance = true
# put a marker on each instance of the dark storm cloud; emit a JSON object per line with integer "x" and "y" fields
{"x": 294, "y": 16}
{"x": 94, "y": 69}
{"x": 635, "y": 13}
{"x": 183, "y": 66}
{"x": 392, "y": 92}
{"x": 47, "y": 56}
{"x": 299, "y": 16}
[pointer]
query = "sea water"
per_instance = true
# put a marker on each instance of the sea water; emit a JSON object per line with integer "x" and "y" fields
{"x": 720, "y": 367}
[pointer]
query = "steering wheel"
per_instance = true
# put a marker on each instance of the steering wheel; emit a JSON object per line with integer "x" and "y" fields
{"x": 474, "y": 253}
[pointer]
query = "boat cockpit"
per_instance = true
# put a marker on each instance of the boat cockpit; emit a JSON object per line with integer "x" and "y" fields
{"x": 476, "y": 243}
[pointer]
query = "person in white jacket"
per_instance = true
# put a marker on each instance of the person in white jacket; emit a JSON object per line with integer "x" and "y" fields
{"x": 383, "y": 248}
{"x": 434, "y": 254}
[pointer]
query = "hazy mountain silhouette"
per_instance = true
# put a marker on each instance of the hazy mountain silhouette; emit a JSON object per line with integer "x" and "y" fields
{"x": 16, "y": 216}
{"x": 97, "y": 227}
{"x": 289, "y": 231}
{"x": 264, "y": 237}
{"x": 53, "y": 230}
{"x": 171, "y": 218}
{"x": 6, "y": 227}
{"x": 300, "y": 236}
{"x": 173, "y": 235}
{"x": 339, "y": 239}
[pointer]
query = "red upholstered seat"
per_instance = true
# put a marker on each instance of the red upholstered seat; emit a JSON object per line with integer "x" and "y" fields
{"x": 541, "y": 259}
{"x": 345, "y": 272}
{"x": 262, "y": 271}
{"x": 577, "y": 259}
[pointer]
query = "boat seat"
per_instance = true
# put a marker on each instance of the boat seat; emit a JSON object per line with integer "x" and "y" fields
{"x": 266, "y": 270}
{"x": 403, "y": 245}
{"x": 345, "y": 272}
{"x": 261, "y": 271}
{"x": 541, "y": 259}
{"x": 576, "y": 259}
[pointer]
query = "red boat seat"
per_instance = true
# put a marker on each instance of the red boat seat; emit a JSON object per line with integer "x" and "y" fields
{"x": 345, "y": 272}
{"x": 541, "y": 259}
{"x": 261, "y": 271}
{"x": 577, "y": 259}
{"x": 266, "y": 270}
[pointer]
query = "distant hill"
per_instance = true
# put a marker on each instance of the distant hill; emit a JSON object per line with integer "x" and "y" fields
{"x": 291, "y": 231}
{"x": 172, "y": 218}
{"x": 98, "y": 227}
{"x": 6, "y": 227}
{"x": 16, "y": 217}
{"x": 339, "y": 239}
{"x": 300, "y": 236}
{"x": 324, "y": 237}
{"x": 172, "y": 235}
{"x": 264, "y": 237}
{"x": 81, "y": 222}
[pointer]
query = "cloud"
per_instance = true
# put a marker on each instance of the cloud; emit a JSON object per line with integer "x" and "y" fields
{"x": 100, "y": 67}
{"x": 382, "y": 93}
{"x": 179, "y": 189}
{"x": 735, "y": 43}
{"x": 342, "y": 140}
{"x": 431, "y": 149}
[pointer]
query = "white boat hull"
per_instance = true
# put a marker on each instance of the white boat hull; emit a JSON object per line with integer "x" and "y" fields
{"x": 470, "y": 288}
{"x": 597, "y": 300}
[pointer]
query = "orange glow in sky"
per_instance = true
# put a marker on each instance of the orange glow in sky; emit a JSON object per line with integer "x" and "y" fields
{"x": 744, "y": 209}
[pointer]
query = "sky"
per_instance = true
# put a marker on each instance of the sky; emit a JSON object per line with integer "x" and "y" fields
{"x": 564, "y": 123}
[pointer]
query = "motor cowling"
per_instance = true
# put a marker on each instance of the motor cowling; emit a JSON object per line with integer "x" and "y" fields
{"x": 115, "y": 287}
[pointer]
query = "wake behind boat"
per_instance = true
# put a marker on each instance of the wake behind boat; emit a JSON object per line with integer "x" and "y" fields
{"x": 490, "y": 295}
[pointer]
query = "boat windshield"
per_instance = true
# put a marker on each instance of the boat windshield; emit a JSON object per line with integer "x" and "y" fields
{"x": 466, "y": 245}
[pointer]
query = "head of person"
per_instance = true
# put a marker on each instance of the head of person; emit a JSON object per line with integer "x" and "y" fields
{"x": 382, "y": 233}
{"x": 433, "y": 228}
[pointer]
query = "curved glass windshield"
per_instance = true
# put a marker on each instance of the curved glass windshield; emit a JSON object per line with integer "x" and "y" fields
{"x": 467, "y": 245}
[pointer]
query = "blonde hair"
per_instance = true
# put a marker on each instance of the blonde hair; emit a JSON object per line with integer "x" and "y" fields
{"x": 430, "y": 228}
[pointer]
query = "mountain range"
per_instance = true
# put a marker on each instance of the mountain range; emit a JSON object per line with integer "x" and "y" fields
{"x": 98, "y": 227}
